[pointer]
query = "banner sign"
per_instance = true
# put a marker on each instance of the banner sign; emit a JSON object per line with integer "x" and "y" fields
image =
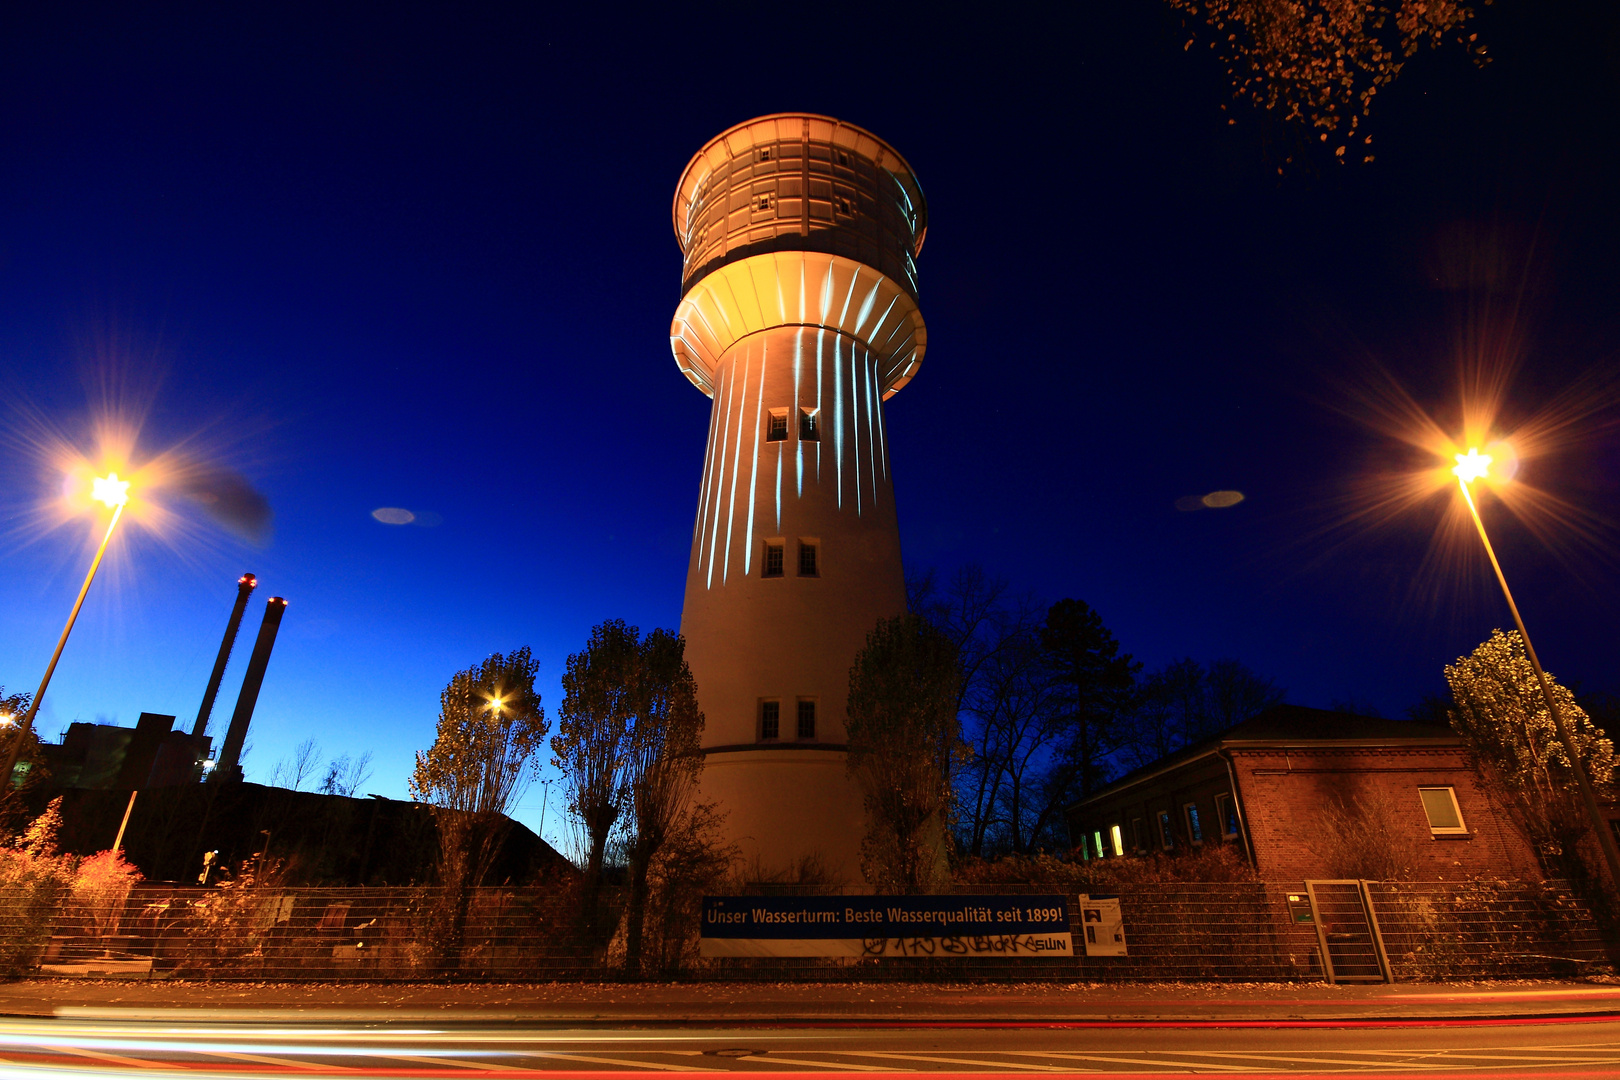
{"x": 947, "y": 926}
{"x": 1102, "y": 925}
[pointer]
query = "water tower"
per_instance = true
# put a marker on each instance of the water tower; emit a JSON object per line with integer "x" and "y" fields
{"x": 799, "y": 318}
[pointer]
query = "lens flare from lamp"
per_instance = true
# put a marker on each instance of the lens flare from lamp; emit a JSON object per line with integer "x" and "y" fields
{"x": 110, "y": 491}
{"x": 1472, "y": 465}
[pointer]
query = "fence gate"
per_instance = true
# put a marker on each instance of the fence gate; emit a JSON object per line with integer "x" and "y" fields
{"x": 1352, "y": 947}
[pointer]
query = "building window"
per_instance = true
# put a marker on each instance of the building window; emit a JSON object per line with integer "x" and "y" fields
{"x": 807, "y": 718}
{"x": 1226, "y": 815}
{"x": 809, "y": 561}
{"x": 1195, "y": 827}
{"x": 764, "y": 153}
{"x": 1167, "y": 832}
{"x": 763, "y": 202}
{"x": 770, "y": 721}
{"x": 810, "y": 425}
{"x": 1138, "y": 835}
{"x": 1117, "y": 835}
{"x": 845, "y": 206}
{"x": 773, "y": 559}
{"x": 1445, "y": 816}
{"x": 776, "y": 426}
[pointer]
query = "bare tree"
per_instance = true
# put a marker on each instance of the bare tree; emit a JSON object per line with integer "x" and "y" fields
{"x": 902, "y": 722}
{"x": 344, "y": 777}
{"x": 1184, "y": 703}
{"x": 593, "y": 726}
{"x": 1095, "y": 680}
{"x": 663, "y": 762}
{"x": 304, "y": 763}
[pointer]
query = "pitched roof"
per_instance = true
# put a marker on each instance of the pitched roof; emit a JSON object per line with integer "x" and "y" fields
{"x": 1289, "y": 725}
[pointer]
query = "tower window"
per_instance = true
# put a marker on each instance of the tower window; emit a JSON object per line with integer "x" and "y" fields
{"x": 807, "y": 718}
{"x": 764, "y": 153}
{"x": 770, "y": 720}
{"x": 809, "y": 564}
{"x": 763, "y": 202}
{"x": 845, "y": 206}
{"x": 810, "y": 425}
{"x": 776, "y": 426}
{"x": 773, "y": 559}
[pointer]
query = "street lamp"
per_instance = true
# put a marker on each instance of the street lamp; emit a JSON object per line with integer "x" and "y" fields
{"x": 1476, "y": 466}
{"x": 114, "y": 493}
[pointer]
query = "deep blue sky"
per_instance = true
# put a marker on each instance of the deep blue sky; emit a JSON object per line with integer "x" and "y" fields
{"x": 423, "y": 258}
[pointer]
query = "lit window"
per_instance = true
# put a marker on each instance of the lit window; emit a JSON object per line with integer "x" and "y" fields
{"x": 1195, "y": 827}
{"x": 1117, "y": 835}
{"x": 1096, "y": 839}
{"x": 807, "y": 719}
{"x": 1226, "y": 814}
{"x": 773, "y": 559}
{"x": 776, "y": 426}
{"x": 1167, "y": 835}
{"x": 810, "y": 425}
{"x": 1445, "y": 816}
{"x": 770, "y": 720}
{"x": 809, "y": 566}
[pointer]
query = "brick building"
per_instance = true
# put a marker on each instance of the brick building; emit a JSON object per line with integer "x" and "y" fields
{"x": 1265, "y": 784}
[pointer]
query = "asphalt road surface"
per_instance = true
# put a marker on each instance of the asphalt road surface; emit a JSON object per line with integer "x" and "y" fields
{"x": 236, "y": 1046}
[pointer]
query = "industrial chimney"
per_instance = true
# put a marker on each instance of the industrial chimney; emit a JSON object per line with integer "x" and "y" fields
{"x": 227, "y": 767}
{"x": 244, "y": 587}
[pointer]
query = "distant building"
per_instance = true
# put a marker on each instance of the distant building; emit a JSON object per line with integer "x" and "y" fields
{"x": 103, "y": 756}
{"x": 1264, "y": 784}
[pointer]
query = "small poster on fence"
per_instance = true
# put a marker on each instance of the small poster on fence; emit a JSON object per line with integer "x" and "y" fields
{"x": 1025, "y": 927}
{"x": 1102, "y": 925}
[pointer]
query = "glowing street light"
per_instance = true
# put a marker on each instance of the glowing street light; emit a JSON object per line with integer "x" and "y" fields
{"x": 114, "y": 493}
{"x": 1474, "y": 466}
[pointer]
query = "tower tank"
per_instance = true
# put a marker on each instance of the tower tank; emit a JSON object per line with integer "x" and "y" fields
{"x": 799, "y": 318}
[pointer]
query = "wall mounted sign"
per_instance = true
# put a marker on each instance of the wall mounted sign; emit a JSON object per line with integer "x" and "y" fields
{"x": 941, "y": 926}
{"x": 1102, "y": 926}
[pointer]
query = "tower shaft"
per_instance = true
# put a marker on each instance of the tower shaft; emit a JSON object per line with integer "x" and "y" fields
{"x": 799, "y": 318}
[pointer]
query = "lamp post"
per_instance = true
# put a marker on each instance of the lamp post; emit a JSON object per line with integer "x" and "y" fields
{"x": 114, "y": 493}
{"x": 1475, "y": 466}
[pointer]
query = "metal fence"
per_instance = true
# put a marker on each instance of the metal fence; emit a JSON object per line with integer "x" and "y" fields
{"x": 1219, "y": 931}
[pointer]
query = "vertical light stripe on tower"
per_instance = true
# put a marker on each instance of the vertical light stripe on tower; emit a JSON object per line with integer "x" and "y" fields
{"x": 720, "y": 465}
{"x": 708, "y": 471}
{"x": 793, "y": 419}
{"x": 883, "y": 435}
{"x": 853, "y": 278}
{"x": 871, "y": 423}
{"x": 838, "y": 412}
{"x": 855, "y": 428}
{"x": 753, "y": 474}
{"x": 821, "y": 417}
{"x": 736, "y": 463}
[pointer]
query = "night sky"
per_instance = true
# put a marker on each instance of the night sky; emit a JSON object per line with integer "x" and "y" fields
{"x": 422, "y": 258}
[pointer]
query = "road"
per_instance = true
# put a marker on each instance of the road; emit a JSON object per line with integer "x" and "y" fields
{"x": 248, "y": 1043}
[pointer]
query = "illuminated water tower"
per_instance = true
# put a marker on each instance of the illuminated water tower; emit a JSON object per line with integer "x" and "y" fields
{"x": 799, "y": 318}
